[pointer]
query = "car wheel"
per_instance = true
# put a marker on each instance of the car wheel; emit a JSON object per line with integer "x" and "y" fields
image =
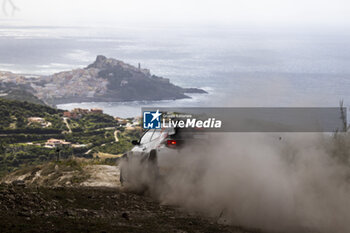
{"x": 152, "y": 165}
{"x": 123, "y": 170}
{"x": 122, "y": 180}
{"x": 152, "y": 158}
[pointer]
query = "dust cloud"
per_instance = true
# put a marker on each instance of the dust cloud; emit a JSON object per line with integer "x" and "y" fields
{"x": 279, "y": 183}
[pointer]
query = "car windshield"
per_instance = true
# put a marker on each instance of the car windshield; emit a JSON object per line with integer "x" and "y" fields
{"x": 147, "y": 137}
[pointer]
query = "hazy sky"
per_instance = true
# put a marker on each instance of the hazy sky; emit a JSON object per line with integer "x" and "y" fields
{"x": 163, "y": 12}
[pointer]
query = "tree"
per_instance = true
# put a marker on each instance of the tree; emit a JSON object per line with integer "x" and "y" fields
{"x": 6, "y": 4}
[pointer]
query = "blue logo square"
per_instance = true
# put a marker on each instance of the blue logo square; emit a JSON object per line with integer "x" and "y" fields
{"x": 152, "y": 120}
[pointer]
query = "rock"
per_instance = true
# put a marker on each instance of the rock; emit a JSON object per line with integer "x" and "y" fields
{"x": 11, "y": 190}
{"x": 125, "y": 216}
{"x": 11, "y": 197}
{"x": 24, "y": 213}
{"x": 31, "y": 203}
{"x": 18, "y": 183}
{"x": 70, "y": 200}
{"x": 69, "y": 213}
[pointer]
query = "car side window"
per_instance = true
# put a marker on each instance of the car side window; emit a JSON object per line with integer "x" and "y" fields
{"x": 147, "y": 137}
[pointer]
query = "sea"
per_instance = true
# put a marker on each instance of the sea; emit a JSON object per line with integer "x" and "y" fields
{"x": 237, "y": 66}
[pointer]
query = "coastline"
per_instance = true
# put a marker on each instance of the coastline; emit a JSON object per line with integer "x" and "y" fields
{"x": 133, "y": 108}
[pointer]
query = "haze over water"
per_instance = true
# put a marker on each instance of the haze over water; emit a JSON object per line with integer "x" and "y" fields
{"x": 238, "y": 67}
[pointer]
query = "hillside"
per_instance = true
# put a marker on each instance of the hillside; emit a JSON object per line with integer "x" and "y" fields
{"x": 78, "y": 172}
{"x": 25, "y": 129}
{"x": 110, "y": 80}
{"x": 17, "y": 87}
{"x": 21, "y": 95}
{"x": 105, "y": 80}
{"x": 14, "y": 114}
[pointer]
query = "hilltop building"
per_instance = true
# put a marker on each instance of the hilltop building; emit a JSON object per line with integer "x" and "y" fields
{"x": 96, "y": 110}
{"x": 77, "y": 113}
{"x": 51, "y": 143}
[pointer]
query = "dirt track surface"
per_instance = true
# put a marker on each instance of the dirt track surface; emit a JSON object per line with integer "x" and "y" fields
{"x": 52, "y": 175}
{"x": 87, "y": 209}
{"x": 102, "y": 176}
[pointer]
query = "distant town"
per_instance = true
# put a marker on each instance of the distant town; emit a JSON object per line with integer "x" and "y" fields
{"x": 77, "y": 113}
{"x": 105, "y": 80}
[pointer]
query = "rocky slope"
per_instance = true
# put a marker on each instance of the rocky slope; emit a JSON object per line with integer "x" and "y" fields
{"x": 17, "y": 87}
{"x": 69, "y": 173}
{"x": 85, "y": 209}
{"x": 58, "y": 197}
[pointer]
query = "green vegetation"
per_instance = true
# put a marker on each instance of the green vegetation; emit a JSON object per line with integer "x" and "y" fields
{"x": 18, "y": 94}
{"x": 122, "y": 145}
{"x": 93, "y": 121}
{"x": 22, "y": 155}
{"x": 22, "y": 143}
{"x": 14, "y": 115}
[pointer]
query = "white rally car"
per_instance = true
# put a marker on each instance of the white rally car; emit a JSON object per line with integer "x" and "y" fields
{"x": 156, "y": 150}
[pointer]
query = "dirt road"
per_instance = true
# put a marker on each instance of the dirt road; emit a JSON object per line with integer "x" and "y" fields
{"x": 68, "y": 126}
{"x": 116, "y": 136}
{"x": 102, "y": 176}
{"x": 90, "y": 199}
{"x": 86, "y": 209}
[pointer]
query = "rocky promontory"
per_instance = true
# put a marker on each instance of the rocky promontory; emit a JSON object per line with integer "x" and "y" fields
{"x": 105, "y": 80}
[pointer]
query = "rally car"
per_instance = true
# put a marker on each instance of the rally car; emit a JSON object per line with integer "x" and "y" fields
{"x": 155, "y": 150}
